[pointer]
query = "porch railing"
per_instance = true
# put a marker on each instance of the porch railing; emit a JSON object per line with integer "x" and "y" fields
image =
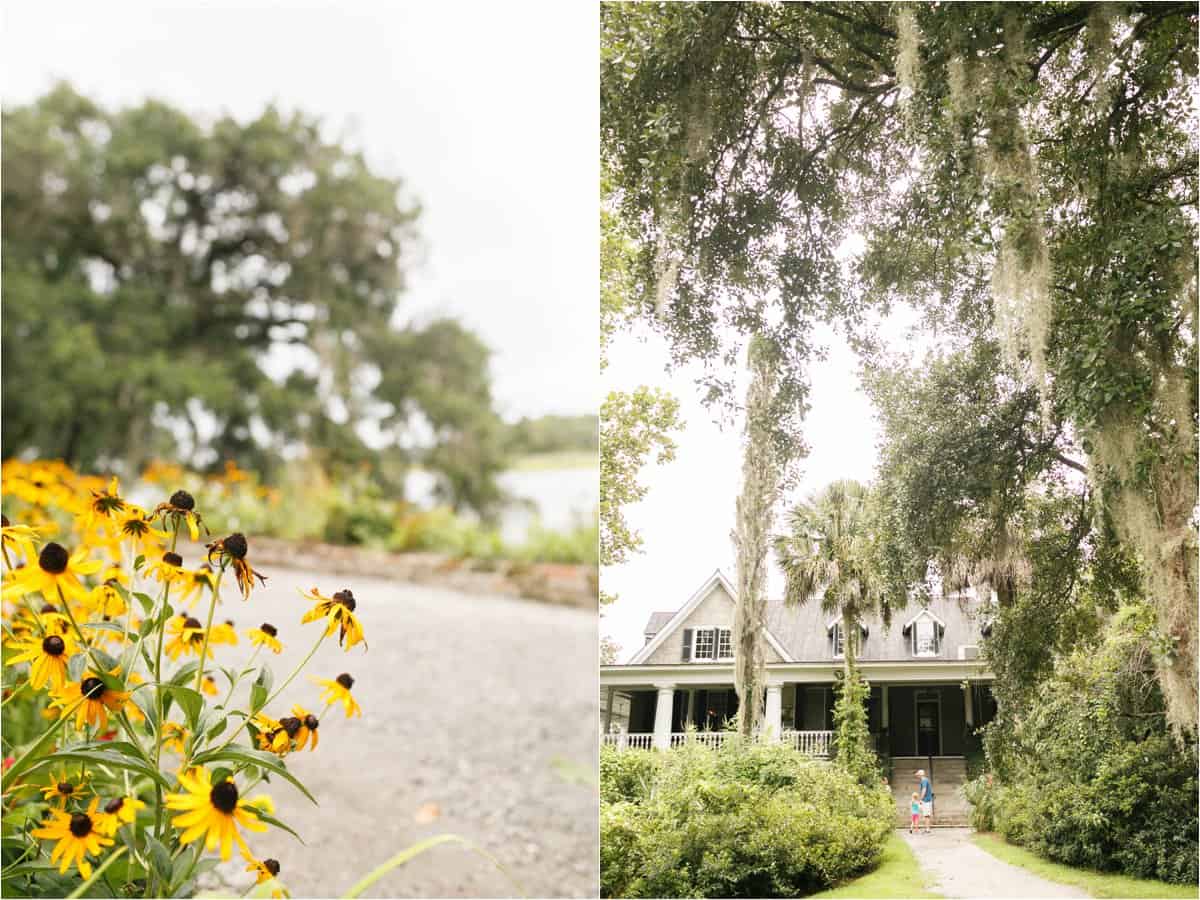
{"x": 812, "y": 743}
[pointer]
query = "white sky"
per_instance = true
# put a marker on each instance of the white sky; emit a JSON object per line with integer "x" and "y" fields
{"x": 489, "y": 112}
{"x": 687, "y": 516}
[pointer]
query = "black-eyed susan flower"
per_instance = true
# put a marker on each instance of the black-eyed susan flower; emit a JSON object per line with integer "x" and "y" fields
{"x": 308, "y": 727}
{"x": 338, "y": 613}
{"x": 224, "y": 633}
{"x": 209, "y": 685}
{"x": 117, "y": 812}
{"x": 55, "y": 570}
{"x": 338, "y": 691}
{"x": 211, "y": 811}
{"x": 174, "y": 736}
{"x": 263, "y": 803}
{"x": 200, "y": 580}
{"x": 136, "y": 525}
{"x": 265, "y": 870}
{"x": 77, "y": 837}
{"x": 187, "y": 636}
{"x": 232, "y": 550}
{"x": 105, "y": 600}
{"x": 92, "y": 699}
{"x": 48, "y": 657}
{"x": 63, "y": 787}
{"x": 274, "y": 736}
{"x": 266, "y": 635}
{"x": 19, "y": 538}
{"x": 105, "y": 504}
{"x": 181, "y": 508}
{"x": 169, "y": 569}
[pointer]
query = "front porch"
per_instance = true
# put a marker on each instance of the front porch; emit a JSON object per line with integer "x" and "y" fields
{"x": 918, "y": 716}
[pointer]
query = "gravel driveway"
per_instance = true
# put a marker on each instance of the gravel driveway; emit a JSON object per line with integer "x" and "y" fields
{"x": 960, "y": 869}
{"x": 479, "y": 718}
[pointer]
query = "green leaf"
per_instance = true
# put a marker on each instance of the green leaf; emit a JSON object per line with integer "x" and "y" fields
{"x": 96, "y": 873}
{"x": 260, "y": 690}
{"x": 239, "y": 754}
{"x": 271, "y": 820}
{"x": 416, "y": 850}
{"x": 105, "y": 757}
{"x": 189, "y": 701}
{"x": 160, "y": 858}
{"x": 181, "y": 868}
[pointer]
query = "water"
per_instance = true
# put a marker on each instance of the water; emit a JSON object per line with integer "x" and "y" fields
{"x": 561, "y": 498}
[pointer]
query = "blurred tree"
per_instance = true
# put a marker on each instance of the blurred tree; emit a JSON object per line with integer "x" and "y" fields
{"x": 223, "y": 290}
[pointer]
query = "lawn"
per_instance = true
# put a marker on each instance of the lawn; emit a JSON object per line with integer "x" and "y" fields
{"x": 897, "y": 875}
{"x": 1098, "y": 884}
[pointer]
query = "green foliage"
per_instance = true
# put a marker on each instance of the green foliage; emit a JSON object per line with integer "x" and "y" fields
{"x": 551, "y": 434}
{"x": 746, "y": 820}
{"x": 852, "y": 734}
{"x": 1093, "y": 778}
{"x": 625, "y": 775}
{"x": 224, "y": 290}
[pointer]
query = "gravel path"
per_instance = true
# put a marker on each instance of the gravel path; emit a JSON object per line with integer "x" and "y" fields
{"x": 960, "y": 869}
{"x": 479, "y": 718}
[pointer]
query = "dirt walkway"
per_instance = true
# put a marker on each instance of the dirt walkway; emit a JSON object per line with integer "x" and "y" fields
{"x": 957, "y": 868}
{"x": 479, "y": 718}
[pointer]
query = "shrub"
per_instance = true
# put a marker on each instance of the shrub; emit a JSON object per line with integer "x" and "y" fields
{"x": 1096, "y": 780}
{"x": 747, "y": 820}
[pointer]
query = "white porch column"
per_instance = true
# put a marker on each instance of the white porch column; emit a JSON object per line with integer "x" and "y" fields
{"x": 773, "y": 715}
{"x": 608, "y": 705}
{"x": 691, "y": 709}
{"x": 662, "y": 715}
{"x": 968, "y": 704}
{"x": 883, "y": 712}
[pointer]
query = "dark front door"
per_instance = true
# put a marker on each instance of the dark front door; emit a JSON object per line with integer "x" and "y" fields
{"x": 927, "y": 728}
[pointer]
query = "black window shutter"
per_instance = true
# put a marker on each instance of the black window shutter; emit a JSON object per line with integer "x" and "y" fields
{"x": 687, "y": 645}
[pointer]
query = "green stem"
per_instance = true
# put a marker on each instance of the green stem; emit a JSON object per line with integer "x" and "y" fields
{"x": 417, "y": 849}
{"x": 238, "y": 680}
{"x": 25, "y": 761}
{"x": 112, "y": 858}
{"x": 212, "y": 607}
{"x": 158, "y": 707}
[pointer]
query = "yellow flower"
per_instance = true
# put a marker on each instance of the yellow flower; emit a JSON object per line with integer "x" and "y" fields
{"x": 193, "y": 587}
{"x": 223, "y": 633}
{"x": 308, "y": 727}
{"x": 49, "y": 656}
{"x": 77, "y": 837}
{"x": 117, "y": 812}
{"x": 19, "y": 538}
{"x": 181, "y": 508}
{"x": 267, "y": 870}
{"x": 104, "y": 504}
{"x": 63, "y": 788}
{"x": 174, "y": 736}
{"x": 212, "y": 812}
{"x": 135, "y": 524}
{"x": 209, "y": 686}
{"x": 187, "y": 636}
{"x": 232, "y": 550}
{"x": 96, "y": 700}
{"x": 338, "y": 691}
{"x": 265, "y": 635}
{"x": 262, "y": 802}
{"x": 104, "y": 599}
{"x": 272, "y": 735}
{"x": 169, "y": 569}
{"x": 338, "y": 612}
{"x": 55, "y": 570}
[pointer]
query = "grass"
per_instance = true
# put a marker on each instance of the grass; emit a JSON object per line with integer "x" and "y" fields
{"x": 1098, "y": 884}
{"x": 563, "y": 459}
{"x": 897, "y": 875}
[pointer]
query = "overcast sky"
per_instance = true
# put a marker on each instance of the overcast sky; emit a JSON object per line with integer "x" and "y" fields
{"x": 687, "y": 516}
{"x": 489, "y": 112}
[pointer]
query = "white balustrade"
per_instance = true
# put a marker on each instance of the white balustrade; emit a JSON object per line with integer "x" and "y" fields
{"x": 812, "y": 743}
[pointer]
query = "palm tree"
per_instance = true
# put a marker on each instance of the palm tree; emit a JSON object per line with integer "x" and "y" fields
{"x": 830, "y": 551}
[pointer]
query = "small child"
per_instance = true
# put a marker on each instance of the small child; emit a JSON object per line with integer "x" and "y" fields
{"x": 916, "y": 812}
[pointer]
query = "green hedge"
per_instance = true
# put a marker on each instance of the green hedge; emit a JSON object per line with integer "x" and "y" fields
{"x": 757, "y": 820}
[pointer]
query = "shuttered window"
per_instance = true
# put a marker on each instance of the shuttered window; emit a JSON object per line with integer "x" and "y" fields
{"x": 705, "y": 643}
{"x": 724, "y": 643}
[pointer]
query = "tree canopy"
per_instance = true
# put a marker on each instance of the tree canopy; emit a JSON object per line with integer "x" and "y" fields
{"x": 1022, "y": 173}
{"x": 222, "y": 289}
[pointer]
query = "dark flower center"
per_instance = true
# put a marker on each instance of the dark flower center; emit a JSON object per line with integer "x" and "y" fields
{"x": 311, "y": 722}
{"x": 235, "y": 545}
{"x": 135, "y": 527}
{"x": 272, "y": 866}
{"x": 64, "y": 788}
{"x": 183, "y": 500}
{"x": 91, "y": 688}
{"x": 173, "y": 559}
{"x": 49, "y": 608}
{"x": 291, "y": 725}
{"x": 225, "y": 797}
{"x": 266, "y": 628}
{"x": 107, "y": 503}
{"x": 4, "y": 521}
{"x": 81, "y": 825}
{"x": 346, "y": 598}
{"x": 53, "y": 645}
{"x": 345, "y": 681}
{"x": 189, "y": 622}
{"x": 54, "y": 558}
{"x": 113, "y": 806}
{"x": 229, "y": 622}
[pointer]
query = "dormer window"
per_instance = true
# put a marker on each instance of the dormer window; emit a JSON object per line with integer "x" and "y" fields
{"x": 924, "y": 632}
{"x": 839, "y": 641}
{"x": 704, "y": 647}
{"x": 724, "y": 643}
{"x": 711, "y": 644}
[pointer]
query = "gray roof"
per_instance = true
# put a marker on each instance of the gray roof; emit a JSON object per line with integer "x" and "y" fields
{"x": 803, "y": 630}
{"x": 657, "y": 621}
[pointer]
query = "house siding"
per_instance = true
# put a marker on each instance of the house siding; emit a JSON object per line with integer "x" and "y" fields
{"x": 715, "y": 610}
